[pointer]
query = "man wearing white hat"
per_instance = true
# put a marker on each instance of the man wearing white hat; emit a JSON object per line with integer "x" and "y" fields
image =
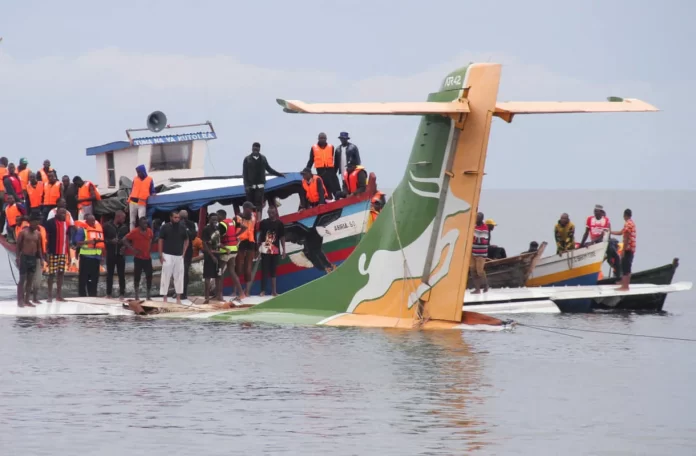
{"x": 596, "y": 226}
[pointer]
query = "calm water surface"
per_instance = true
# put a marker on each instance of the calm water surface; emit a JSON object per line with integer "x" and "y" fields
{"x": 115, "y": 386}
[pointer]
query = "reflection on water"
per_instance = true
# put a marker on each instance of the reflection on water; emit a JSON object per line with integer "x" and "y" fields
{"x": 118, "y": 385}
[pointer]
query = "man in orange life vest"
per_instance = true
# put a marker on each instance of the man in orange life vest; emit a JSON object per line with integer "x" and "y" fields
{"x": 354, "y": 180}
{"x": 143, "y": 187}
{"x": 53, "y": 192}
{"x": 44, "y": 172}
{"x": 90, "y": 238}
{"x": 3, "y": 173}
{"x": 12, "y": 211}
{"x": 322, "y": 157}
{"x": 23, "y": 172}
{"x": 34, "y": 194}
{"x": 87, "y": 195}
{"x": 314, "y": 191}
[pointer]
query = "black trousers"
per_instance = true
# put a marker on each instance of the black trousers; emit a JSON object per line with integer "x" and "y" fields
{"x": 328, "y": 176}
{"x": 89, "y": 276}
{"x": 141, "y": 265}
{"x": 117, "y": 262}
{"x": 269, "y": 263}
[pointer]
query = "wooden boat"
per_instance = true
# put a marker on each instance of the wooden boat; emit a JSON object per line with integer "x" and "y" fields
{"x": 512, "y": 272}
{"x": 662, "y": 275}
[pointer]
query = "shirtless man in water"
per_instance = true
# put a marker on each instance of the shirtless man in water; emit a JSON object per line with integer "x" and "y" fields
{"x": 29, "y": 261}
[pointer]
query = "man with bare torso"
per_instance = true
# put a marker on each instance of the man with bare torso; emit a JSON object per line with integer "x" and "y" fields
{"x": 29, "y": 261}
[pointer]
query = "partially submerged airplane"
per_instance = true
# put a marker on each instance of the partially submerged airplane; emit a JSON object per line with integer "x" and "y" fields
{"x": 410, "y": 270}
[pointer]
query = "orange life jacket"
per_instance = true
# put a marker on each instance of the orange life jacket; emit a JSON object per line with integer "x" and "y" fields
{"x": 250, "y": 224}
{"x": 3, "y": 173}
{"x": 44, "y": 239}
{"x": 323, "y": 158}
{"x": 352, "y": 179}
{"x": 141, "y": 190}
{"x": 83, "y": 193}
{"x": 43, "y": 175}
{"x": 93, "y": 233}
{"x": 311, "y": 189}
{"x": 11, "y": 214}
{"x": 35, "y": 194}
{"x": 230, "y": 237}
{"x": 24, "y": 177}
{"x": 20, "y": 227}
{"x": 377, "y": 197}
{"x": 52, "y": 193}
{"x": 372, "y": 218}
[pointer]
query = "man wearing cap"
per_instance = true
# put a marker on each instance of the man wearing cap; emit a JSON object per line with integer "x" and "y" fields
{"x": 254, "y": 169}
{"x": 23, "y": 172}
{"x": 321, "y": 156}
{"x": 494, "y": 252}
{"x": 596, "y": 226}
{"x": 346, "y": 153}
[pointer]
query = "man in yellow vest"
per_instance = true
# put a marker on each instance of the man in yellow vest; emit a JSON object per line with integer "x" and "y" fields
{"x": 90, "y": 239}
{"x": 143, "y": 187}
{"x": 322, "y": 157}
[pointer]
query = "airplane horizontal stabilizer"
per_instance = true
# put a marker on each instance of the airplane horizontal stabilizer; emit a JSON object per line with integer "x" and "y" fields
{"x": 506, "y": 110}
{"x": 389, "y": 108}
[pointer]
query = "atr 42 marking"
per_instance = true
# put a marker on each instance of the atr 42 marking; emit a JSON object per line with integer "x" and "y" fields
{"x": 453, "y": 81}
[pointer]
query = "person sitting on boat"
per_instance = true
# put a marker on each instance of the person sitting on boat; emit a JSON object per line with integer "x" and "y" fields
{"x": 314, "y": 190}
{"x": 139, "y": 241}
{"x": 13, "y": 186}
{"x": 533, "y": 247}
{"x": 34, "y": 194}
{"x": 375, "y": 209}
{"x": 3, "y": 172}
{"x": 345, "y": 153}
{"x": 354, "y": 180}
{"x": 564, "y": 233}
{"x": 479, "y": 253}
{"x": 494, "y": 252}
{"x": 143, "y": 187}
{"x": 596, "y": 226}
{"x": 12, "y": 212}
{"x": 45, "y": 172}
{"x": 254, "y": 169}
{"x": 58, "y": 251}
{"x": 87, "y": 195}
{"x": 322, "y": 157}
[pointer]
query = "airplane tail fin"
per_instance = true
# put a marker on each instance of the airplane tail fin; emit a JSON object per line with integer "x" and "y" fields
{"x": 411, "y": 267}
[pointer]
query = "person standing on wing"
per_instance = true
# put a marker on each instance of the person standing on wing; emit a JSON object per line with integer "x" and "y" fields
{"x": 173, "y": 242}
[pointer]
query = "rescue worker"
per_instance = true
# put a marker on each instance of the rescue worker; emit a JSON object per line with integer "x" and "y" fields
{"x": 33, "y": 195}
{"x": 564, "y": 233}
{"x": 314, "y": 190}
{"x": 494, "y": 252}
{"x": 3, "y": 173}
{"x": 90, "y": 238}
{"x": 87, "y": 195}
{"x": 354, "y": 180}
{"x": 143, "y": 187}
{"x": 596, "y": 226}
{"x": 12, "y": 211}
{"x": 12, "y": 183}
{"x": 44, "y": 172}
{"x": 230, "y": 230}
{"x": 345, "y": 153}
{"x": 53, "y": 192}
{"x": 254, "y": 169}
{"x": 247, "y": 245}
{"x": 23, "y": 172}
{"x": 479, "y": 253}
{"x": 321, "y": 156}
{"x": 375, "y": 209}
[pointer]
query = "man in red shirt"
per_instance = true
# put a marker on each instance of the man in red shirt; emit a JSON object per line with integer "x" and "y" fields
{"x": 596, "y": 226}
{"x": 58, "y": 246}
{"x": 629, "y": 248}
{"x": 139, "y": 240}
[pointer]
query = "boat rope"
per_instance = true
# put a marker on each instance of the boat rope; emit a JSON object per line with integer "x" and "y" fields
{"x": 682, "y": 339}
{"x": 9, "y": 262}
{"x": 548, "y": 330}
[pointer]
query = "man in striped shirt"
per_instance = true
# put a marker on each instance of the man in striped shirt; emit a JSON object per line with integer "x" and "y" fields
{"x": 479, "y": 253}
{"x": 629, "y": 248}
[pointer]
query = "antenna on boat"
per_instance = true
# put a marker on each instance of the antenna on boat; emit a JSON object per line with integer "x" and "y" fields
{"x": 156, "y": 121}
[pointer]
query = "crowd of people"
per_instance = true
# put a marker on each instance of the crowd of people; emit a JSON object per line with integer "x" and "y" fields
{"x": 597, "y": 226}
{"x": 55, "y": 229}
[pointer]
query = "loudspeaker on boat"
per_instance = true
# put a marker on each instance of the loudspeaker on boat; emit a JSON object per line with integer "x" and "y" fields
{"x": 156, "y": 121}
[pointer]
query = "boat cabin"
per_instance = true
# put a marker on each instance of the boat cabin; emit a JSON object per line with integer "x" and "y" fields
{"x": 173, "y": 153}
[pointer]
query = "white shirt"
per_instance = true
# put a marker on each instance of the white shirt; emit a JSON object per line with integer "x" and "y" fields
{"x": 68, "y": 217}
{"x": 343, "y": 159}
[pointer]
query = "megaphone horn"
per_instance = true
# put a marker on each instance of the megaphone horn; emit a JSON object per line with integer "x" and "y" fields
{"x": 156, "y": 121}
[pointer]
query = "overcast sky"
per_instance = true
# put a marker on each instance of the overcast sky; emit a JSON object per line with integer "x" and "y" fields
{"x": 75, "y": 74}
